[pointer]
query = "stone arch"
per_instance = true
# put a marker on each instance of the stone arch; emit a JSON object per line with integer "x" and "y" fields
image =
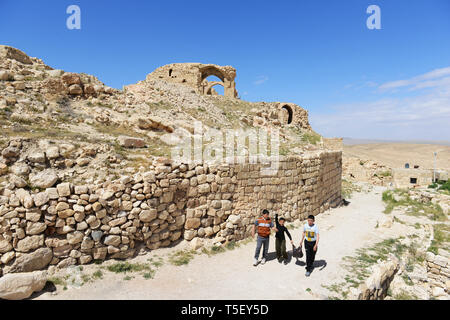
{"x": 195, "y": 76}
{"x": 290, "y": 113}
{"x": 211, "y": 84}
{"x": 226, "y": 80}
{"x": 212, "y": 71}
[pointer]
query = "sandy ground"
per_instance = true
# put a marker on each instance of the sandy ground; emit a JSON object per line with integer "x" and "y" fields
{"x": 395, "y": 155}
{"x": 231, "y": 275}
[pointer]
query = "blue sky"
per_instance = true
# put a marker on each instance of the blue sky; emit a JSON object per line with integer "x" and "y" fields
{"x": 392, "y": 83}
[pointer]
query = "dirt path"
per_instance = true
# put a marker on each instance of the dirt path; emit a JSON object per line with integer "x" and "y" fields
{"x": 231, "y": 275}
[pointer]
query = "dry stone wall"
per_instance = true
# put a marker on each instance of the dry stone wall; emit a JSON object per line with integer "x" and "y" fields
{"x": 65, "y": 224}
{"x": 438, "y": 272}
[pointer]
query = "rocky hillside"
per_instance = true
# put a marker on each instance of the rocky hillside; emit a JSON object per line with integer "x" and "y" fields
{"x": 66, "y": 126}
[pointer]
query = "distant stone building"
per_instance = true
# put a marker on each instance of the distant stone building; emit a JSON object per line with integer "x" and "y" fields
{"x": 404, "y": 178}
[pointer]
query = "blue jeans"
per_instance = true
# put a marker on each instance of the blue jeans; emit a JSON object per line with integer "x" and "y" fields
{"x": 260, "y": 241}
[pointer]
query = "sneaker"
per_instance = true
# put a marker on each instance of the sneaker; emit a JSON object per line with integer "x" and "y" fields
{"x": 256, "y": 262}
{"x": 280, "y": 261}
{"x": 307, "y": 273}
{"x": 285, "y": 262}
{"x": 263, "y": 261}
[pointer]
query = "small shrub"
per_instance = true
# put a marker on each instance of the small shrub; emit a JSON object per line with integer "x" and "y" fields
{"x": 403, "y": 295}
{"x": 181, "y": 257}
{"x": 348, "y": 188}
{"x": 57, "y": 281}
{"x": 123, "y": 267}
{"x": 441, "y": 236}
{"x": 149, "y": 275}
{"x": 445, "y": 186}
{"x": 312, "y": 138}
{"x": 415, "y": 208}
{"x": 217, "y": 249}
{"x": 231, "y": 245}
{"x": 85, "y": 278}
{"x": 385, "y": 174}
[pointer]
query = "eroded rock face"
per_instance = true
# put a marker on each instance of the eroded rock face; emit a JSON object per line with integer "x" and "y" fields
{"x": 7, "y": 52}
{"x": 18, "y": 286}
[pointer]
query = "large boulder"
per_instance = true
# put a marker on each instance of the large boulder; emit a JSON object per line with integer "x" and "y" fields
{"x": 10, "y": 152}
{"x": 18, "y": 286}
{"x": 36, "y": 260}
{"x": 75, "y": 90}
{"x": 44, "y": 179}
{"x": 131, "y": 142}
{"x": 36, "y": 156}
{"x": 30, "y": 243}
{"x": 71, "y": 79}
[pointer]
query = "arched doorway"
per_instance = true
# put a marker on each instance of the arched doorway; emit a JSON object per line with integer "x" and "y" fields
{"x": 211, "y": 76}
{"x": 287, "y": 114}
{"x": 212, "y": 71}
{"x": 218, "y": 90}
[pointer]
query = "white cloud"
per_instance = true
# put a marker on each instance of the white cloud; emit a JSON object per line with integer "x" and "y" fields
{"x": 260, "y": 80}
{"x": 430, "y": 78}
{"x": 425, "y": 116}
{"x": 361, "y": 85}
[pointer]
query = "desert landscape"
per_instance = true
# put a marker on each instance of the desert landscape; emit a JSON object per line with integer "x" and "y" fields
{"x": 94, "y": 206}
{"x": 395, "y": 155}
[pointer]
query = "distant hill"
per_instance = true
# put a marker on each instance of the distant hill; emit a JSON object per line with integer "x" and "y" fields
{"x": 395, "y": 155}
{"x": 354, "y": 141}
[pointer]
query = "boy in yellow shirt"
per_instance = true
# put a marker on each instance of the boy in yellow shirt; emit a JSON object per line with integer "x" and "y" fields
{"x": 311, "y": 238}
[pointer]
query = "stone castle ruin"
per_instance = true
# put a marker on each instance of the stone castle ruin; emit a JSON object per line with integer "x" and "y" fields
{"x": 60, "y": 222}
{"x": 194, "y": 75}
